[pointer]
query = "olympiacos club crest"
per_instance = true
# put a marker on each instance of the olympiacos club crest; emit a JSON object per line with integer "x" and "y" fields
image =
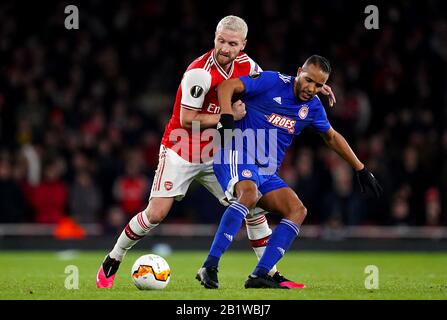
{"x": 246, "y": 173}
{"x": 304, "y": 110}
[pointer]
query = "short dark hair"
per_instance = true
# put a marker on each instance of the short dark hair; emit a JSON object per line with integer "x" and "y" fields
{"x": 320, "y": 62}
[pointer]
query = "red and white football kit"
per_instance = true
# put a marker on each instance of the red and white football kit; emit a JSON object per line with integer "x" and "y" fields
{"x": 186, "y": 154}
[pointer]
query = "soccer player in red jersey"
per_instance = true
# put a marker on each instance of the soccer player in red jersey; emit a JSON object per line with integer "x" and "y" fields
{"x": 186, "y": 149}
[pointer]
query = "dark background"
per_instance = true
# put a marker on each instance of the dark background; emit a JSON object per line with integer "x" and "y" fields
{"x": 82, "y": 111}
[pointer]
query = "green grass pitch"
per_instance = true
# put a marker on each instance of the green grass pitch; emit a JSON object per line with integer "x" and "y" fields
{"x": 328, "y": 275}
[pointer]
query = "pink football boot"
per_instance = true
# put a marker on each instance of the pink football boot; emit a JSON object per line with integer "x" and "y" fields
{"x": 284, "y": 282}
{"x": 104, "y": 279}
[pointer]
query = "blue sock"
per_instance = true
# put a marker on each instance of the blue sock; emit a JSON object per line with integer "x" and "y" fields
{"x": 229, "y": 226}
{"x": 280, "y": 241}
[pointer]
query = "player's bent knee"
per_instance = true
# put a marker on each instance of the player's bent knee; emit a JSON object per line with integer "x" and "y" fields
{"x": 158, "y": 209}
{"x": 249, "y": 198}
{"x": 298, "y": 214}
{"x": 156, "y": 216}
{"x": 303, "y": 212}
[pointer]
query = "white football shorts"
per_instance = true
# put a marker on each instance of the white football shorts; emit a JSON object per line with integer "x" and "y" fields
{"x": 174, "y": 175}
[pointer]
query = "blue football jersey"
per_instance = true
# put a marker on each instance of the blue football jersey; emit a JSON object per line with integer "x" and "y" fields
{"x": 275, "y": 115}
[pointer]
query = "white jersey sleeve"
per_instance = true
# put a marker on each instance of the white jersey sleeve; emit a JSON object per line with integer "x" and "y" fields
{"x": 254, "y": 67}
{"x": 195, "y": 85}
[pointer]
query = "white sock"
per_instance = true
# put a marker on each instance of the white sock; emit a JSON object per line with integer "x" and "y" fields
{"x": 259, "y": 232}
{"x": 134, "y": 231}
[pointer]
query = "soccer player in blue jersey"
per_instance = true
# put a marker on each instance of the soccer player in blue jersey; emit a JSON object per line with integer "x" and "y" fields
{"x": 278, "y": 108}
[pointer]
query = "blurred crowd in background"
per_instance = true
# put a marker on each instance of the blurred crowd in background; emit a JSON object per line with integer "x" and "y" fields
{"x": 82, "y": 111}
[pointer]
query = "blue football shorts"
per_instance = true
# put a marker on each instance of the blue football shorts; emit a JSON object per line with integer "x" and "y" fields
{"x": 232, "y": 169}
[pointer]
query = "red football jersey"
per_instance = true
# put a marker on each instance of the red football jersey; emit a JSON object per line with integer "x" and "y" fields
{"x": 197, "y": 91}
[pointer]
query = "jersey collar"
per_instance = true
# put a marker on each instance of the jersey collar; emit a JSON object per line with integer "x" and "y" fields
{"x": 220, "y": 69}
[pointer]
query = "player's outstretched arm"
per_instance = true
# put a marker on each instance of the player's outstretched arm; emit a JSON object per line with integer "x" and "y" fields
{"x": 206, "y": 120}
{"x": 225, "y": 92}
{"x": 366, "y": 179}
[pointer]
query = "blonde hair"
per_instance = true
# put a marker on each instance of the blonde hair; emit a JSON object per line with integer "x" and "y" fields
{"x": 233, "y": 23}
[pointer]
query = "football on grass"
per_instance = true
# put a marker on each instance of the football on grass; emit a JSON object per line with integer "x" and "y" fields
{"x": 151, "y": 272}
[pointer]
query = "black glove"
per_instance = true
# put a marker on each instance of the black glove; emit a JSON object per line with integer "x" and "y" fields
{"x": 367, "y": 179}
{"x": 226, "y": 122}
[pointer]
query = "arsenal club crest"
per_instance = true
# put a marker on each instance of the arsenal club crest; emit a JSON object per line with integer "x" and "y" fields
{"x": 168, "y": 185}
